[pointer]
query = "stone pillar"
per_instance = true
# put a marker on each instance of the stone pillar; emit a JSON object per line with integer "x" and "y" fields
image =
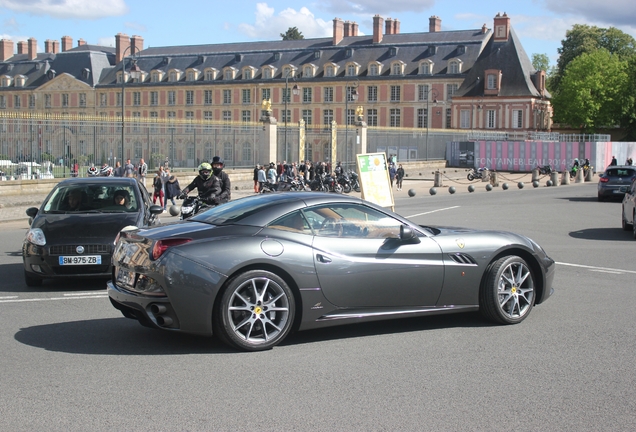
{"x": 301, "y": 141}
{"x": 361, "y": 131}
{"x": 589, "y": 176}
{"x": 334, "y": 143}
{"x": 554, "y": 177}
{"x": 494, "y": 178}
{"x": 268, "y": 141}
{"x": 438, "y": 179}
{"x": 579, "y": 176}
{"x": 565, "y": 178}
{"x": 535, "y": 174}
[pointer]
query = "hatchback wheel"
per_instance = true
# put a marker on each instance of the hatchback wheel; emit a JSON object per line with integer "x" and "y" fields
{"x": 508, "y": 294}
{"x": 32, "y": 281}
{"x": 256, "y": 311}
{"x": 626, "y": 225}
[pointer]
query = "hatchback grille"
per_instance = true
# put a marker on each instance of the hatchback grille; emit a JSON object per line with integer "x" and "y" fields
{"x": 461, "y": 258}
{"x": 102, "y": 249}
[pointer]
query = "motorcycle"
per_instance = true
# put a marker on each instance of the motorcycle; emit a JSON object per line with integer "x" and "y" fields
{"x": 332, "y": 184}
{"x": 319, "y": 184}
{"x": 343, "y": 180}
{"x": 92, "y": 171}
{"x": 191, "y": 206}
{"x": 480, "y": 173}
{"x": 355, "y": 183}
{"x": 545, "y": 170}
{"x": 574, "y": 170}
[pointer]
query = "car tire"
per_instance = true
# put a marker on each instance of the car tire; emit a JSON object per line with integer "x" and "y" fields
{"x": 626, "y": 225}
{"x": 507, "y": 295}
{"x": 256, "y": 311}
{"x": 601, "y": 198}
{"x": 32, "y": 281}
{"x": 634, "y": 226}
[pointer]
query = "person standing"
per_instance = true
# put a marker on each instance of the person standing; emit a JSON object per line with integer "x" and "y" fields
{"x": 158, "y": 188}
{"x": 262, "y": 177}
{"x": 392, "y": 173}
{"x": 272, "y": 175}
{"x": 226, "y": 187}
{"x": 256, "y": 187}
{"x": 119, "y": 170}
{"x": 165, "y": 175}
{"x": 399, "y": 176}
{"x": 613, "y": 162}
{"x": 173, "y": 189}
{"x": 142, "y": 171}
{"x": 129, "y": 169}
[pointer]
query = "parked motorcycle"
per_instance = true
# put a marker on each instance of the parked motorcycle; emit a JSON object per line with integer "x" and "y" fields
{"x": 355, "y": 183}
{"x": 191, "y": 206}
{"x": 343, "y": 180}
{"x": 545, "y": 170}
{"x": 480, "y": 173}
{"x": 333, "y": 185}
{"x": 319, "y": 184}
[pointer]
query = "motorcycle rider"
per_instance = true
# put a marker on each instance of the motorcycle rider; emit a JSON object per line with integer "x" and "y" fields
{"x": 226, "y": 187}
{"x": 207, "y": 185}
{"x": 106, "y": 171}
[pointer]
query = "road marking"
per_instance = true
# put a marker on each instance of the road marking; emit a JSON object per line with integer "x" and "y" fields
{"x": 17, "y": 300}
{"x": 432, "y": 211}
{"x": 85, "y": 293}
{"x": 8, "y": 297}
{"x": 602, "y": 269}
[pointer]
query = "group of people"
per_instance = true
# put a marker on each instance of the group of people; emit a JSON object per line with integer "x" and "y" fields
{"x": 396, "y": 175}
{"x": 280, "y": 172}
{"x": 613, "y": 162}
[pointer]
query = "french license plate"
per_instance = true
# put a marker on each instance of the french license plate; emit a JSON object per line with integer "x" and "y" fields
{"x": 617, "y": 191}
{"x": 81, "y": 260}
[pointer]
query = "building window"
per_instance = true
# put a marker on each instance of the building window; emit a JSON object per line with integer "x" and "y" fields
{"x": 453, "y": 67}
{"x": 209, "y": 75}
{"x": 422, "y": 92}
{"x": 517, "y": 119}
{"x": 228, "y": 74}
{"x": 286, "y": 94}
{"x": 351, "y": 91}
{"x": 351, "y": 70}
{"x": 307, "y": 92}
{"x": 82, "y": 100}
{"x": 374, "y": 70}
{"x": 172, "y": 98}
{"x": 31, "y": 101}
{"x": 286, "y": 116}
{"x": 246, "y": 116}
{"x": 395, "y": 93}
{"x": 247, "y": 74}
{"x": 327, "y": 116}
{"x": 372, "y": 117}
{"x": 118, "y": 99}
{"x": 425, "y": 68}
{"x": 207, "y": 116}
{"x": 308, "y": 72}
{"x": 372, "y": 93}
{"x": 266, "y": 94}
{"x": 189, "y": 116}
{"x": 207, "y": 97}
{"x": 136, "y": 98}
{"x": 189, "y": 97}
{"x": 65, "y": 99}
{"x": 246, "y": 96}
{"x": 307, "y": 116}
{"x": 491, "y": 82}
{"x": 136, "y": 116}
{"x": 227, "y": 151}
{"x": 227, "y": 116}
{"x": 395, "y": 117}
{"x": 227, "y": 96}
{"x": 451, "y": 89}
{"x": 464, "y": 119}
{"x": 191, "y": 76}
{"x": 329, "y": 71}
{"x": 491, "y": 119}
{"x": 173, "y": 76}
{"x": 449, "y": 118}
{"x": 267, "y": 73}
{"x": 351, "y": 116}
{"x": 396, "y": 69}
{"x": 154, "y": 116}
{"x": 171, "y": 118}
{"x": 422, "y": 118}
{"x": 154, "y": 98}
{"x": 328, "y": 94}
{"x": 17, "y": 102}
{"x": 47, "y": 101}
{"x": 154, "y": 77}
{"x": 103, "y": 99}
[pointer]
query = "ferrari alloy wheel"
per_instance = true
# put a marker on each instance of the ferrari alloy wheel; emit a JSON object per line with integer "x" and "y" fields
{"x": 508, "y": 294}
{"x": 256, "y": 311}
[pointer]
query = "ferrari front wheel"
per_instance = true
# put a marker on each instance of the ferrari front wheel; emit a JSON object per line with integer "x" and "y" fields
{"x": 256, "y": 311}
{"x": 508, "y": 293}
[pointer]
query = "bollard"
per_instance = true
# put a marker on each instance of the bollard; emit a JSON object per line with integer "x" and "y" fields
{"x": 438, "y": 179}
{"x": 535, "y": 174}
{"x": 494, "y": 179}
{"x": 554, "y": 177}
{"x": 579, "y": 176}
{"x": 565, "y": 178}
{"x": 589, "y": 175}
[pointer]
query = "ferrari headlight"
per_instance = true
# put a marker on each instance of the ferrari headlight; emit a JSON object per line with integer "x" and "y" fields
{"x": 36, "y": 236}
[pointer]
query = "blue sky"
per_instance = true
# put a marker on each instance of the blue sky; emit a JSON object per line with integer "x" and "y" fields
{"x": 540, "y": 24}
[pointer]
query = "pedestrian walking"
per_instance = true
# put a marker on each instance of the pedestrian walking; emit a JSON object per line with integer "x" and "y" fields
{"x": 158, "y": 188}
{"x": 129, "y": 169}
{"x": 399, "y": 176}
{"x": 173, "y": 189}
{"x": 142, "y": 170}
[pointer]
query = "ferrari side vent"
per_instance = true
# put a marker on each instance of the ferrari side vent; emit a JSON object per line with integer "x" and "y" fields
{"x": 461, "y": 258}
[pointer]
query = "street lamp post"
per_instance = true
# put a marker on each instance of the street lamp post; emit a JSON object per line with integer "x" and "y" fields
{"x": 135, "y": 73}
{"x": 351, "y": 92}
{"x": 434, "y": 93}
{"x": 295, "y": 91}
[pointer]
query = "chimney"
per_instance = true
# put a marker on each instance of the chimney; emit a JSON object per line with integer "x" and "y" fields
{"x": 33, "y": 48}
{"x": 56, "y": 46}
{"x": 6, "y": 49}
{"x": 484, "y": 29}
{"x": 138, "y": 44}
{"x": 338, "y": 30}
{"x": 378, "y": 22}
{"x": 434, "y": 24}
{"x": 67, "y": 43}
{"x": 22, "y": 47}
{"x": 388, "y": 26}
{"x": 347, "y": 28}
{"x": 48, "y": 46}
{"x": 502, "y": 28}
{"x": 396, "y": 26}
{"x": 122, "y": 42}
{"x": 354, "y": 29}
{"x": 81, "y": 42}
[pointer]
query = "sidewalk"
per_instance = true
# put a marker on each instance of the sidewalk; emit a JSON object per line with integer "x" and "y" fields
{"x": 13, "y": 208}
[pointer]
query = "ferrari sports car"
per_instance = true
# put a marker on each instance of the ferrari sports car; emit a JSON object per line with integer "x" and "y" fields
{"x": 254, "y": 269}
{"x": 73, "y": 232}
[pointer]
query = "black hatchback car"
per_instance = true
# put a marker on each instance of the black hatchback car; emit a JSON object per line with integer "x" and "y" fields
{"x": 611, "y": 181}
{"x": 72, "y": 234}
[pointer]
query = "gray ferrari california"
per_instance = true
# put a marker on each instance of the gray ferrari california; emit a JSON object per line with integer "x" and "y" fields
{"x": 254, "y": 269}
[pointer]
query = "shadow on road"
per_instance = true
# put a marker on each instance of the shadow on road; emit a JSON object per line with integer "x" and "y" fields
{"x": 123, "y": 336}
{"x": 611, "y": 234}
{"x": 12, "y": 281}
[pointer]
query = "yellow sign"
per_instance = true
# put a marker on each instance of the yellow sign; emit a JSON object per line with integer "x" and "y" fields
{"x": 374, "y": 179}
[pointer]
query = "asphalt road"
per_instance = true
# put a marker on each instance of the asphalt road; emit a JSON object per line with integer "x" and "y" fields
{"x": 71, "y": 362}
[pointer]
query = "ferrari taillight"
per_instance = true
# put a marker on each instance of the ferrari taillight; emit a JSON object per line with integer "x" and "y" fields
{"x": 161, "y": 246}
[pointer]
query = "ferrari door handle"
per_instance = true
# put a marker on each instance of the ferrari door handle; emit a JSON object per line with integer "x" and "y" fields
{"x": 323, "y": 259}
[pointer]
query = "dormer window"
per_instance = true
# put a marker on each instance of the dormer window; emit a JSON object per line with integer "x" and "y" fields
{"x": 192, "y": 75}
{"x": 348, "y": 52}
{"x": 493, "y": 81}
{"x": 249, "y": 73}
{"x": 268, "y": 72}
{"x": 352, "y": 69}
{"x": 331, "y": 70}
{"x": 309, "y": 71}
{"x": 229, "y": 73}
{"x": 461, "y": 49}
{"x": 156, "y": 76}
{"x": 375, "y": 69}
{"x": 174, "y": 75}
{"x": 317, "y": 55}
{"x": 20, "y": 80}
{"x": 397, "y": 68}
{"x": 454, "y": 66}
{"x": 426, "y": 68}
{"x": 288, "y": 71}
{"x": 276, "y": 56}
{"x": 432, "y": 49}
{"x": 393, "y": 51}
{"x": 210, "y": 74}
{"x": 6, "y": 81}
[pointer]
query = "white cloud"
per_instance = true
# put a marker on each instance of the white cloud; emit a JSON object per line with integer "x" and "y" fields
{"x": 615, "y": 12}
{"x": 81, "y": 9}
{"x": 268, "y": 25}
{"x": 372, "y": 7}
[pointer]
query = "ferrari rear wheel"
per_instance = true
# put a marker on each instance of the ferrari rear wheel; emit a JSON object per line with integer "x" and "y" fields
{"x": 256, "y": 311}
{"x": 508, "y": 294}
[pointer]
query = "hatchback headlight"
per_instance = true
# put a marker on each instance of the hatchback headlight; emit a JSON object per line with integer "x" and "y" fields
{"x": 36, "y": 236}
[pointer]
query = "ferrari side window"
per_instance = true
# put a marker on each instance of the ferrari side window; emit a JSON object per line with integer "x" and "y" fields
{"x": 352, "y": 221}
{"x": 294, "y": 222}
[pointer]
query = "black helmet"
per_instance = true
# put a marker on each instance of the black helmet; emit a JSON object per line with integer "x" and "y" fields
{"x": 217, "y": 160}
{"x": 203, "y": 169}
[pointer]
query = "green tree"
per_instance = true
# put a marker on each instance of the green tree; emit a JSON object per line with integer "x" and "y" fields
{"x": 594, "y": 91}
{"x": 292, "y": 33}
{"x": 583, "y": 38}
{"x": 541, "y": 62}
